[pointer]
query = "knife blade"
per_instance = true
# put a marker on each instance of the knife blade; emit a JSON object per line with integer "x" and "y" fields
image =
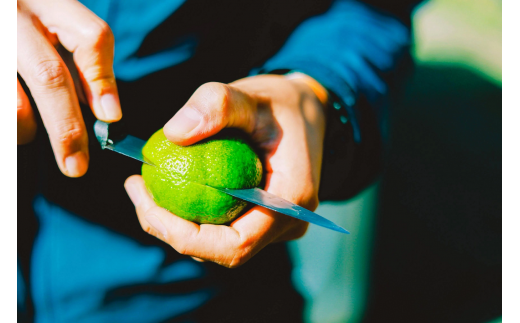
{"x": 125, "y": 144}
{"x": 132, "y": 147}
{"x": 263, "y": 198}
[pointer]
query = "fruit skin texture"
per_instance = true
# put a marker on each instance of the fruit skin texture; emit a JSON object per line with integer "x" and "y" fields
{"x": 223, "y": 161}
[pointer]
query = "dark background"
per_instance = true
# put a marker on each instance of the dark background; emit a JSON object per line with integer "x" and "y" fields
{"x": 437, "y": 254}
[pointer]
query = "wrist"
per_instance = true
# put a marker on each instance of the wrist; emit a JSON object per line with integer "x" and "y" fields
{"x": 314, "y": 86}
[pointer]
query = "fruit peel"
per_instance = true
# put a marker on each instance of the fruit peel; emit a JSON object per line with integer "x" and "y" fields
{"x": 180, "y": 178}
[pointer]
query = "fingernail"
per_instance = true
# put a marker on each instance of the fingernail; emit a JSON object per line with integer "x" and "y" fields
{"x": 133, "y": 192}
{"x": 156, "y": 224}
{"x": 110, "y": 106}
{"x": 76, "y": 164}
{"x": 184, "y": 121}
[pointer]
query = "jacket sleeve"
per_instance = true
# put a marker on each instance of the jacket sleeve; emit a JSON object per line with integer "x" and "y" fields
{"x": 356, "y": 52}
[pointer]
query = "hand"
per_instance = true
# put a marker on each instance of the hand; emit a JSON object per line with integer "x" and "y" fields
{"x": 286, "y": 120}
{"x": 41, "y": 25}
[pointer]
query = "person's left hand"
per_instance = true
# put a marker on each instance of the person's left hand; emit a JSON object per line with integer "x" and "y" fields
{"x": 287, "y": 121}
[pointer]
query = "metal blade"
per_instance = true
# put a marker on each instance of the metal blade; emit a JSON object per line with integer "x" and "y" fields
{"x": 129, "y": 146}
{"x": 120, "y": 142}
{"x": 275, "y": 203}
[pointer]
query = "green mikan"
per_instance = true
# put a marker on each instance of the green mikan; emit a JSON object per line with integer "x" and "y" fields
{"x": 180, "y": 178}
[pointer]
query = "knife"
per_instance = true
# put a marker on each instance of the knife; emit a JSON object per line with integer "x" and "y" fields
{"x": 132, "y": 147}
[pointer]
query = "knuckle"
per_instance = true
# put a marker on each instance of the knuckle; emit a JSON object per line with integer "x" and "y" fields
{"x": 151, "y": 211}
{"x": 224, "y": 99}
{"x": 214, "y": 87}
{"x": 182, "y": 248}
{"x": 104, "y": 77}
{"x": 99, "y": 33}
{"x": 50, "y": 73}
{"x": 242, "y": 253}
{"x": 220, "y": 96}
{"x": 307, "y": 197}
{"x": 99, "y": 73}
{"x": 69, "y": 134}
{"x": 246, "y": 243}
{"x": 240, "y": 257}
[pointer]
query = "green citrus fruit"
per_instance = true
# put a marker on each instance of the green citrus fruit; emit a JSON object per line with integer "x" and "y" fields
{"x": 180, "y": 178}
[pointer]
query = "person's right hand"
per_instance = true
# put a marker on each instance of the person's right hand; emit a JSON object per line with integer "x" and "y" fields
{"x": 41, "y": 25}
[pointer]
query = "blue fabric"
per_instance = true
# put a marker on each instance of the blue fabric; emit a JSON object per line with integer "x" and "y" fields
{"x": 347, "y": 50}
{"x": 80, "y": 263}
{"x": 131, "y": 21}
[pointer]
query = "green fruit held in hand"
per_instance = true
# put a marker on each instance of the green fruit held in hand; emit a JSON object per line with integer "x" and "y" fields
{"x": 222, "y": 161}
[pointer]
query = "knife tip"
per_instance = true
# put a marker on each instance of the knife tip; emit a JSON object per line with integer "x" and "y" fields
{"x": 340, "y": 229}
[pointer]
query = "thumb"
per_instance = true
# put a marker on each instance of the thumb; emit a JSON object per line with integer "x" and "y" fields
{"x": 211, "y": 108}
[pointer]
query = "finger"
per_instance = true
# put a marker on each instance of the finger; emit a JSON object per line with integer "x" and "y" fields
{"x": 230, "y": 246}
{"x": 26, "y": 124}
{"x": 211, "y": 108}
{"x": 284, "y": 179}
{"x": 266, "y": 226}
{"x": 52, "y": 89}
{"x": 91, "y": 41}
{"x": 218, "y": 243}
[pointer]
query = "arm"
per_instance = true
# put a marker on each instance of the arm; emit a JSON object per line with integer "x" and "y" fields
{"x": 354, "y": 51}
